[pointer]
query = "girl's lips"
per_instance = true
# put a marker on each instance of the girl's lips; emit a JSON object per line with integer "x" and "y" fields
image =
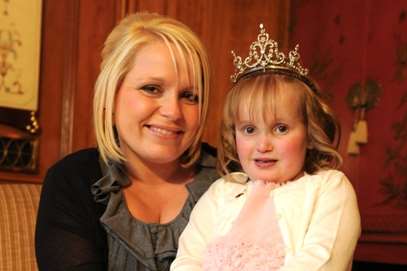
{"x": 264, "y": 163}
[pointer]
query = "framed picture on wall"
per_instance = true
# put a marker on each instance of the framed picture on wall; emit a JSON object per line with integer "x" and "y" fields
{"x": 20, "y": 41}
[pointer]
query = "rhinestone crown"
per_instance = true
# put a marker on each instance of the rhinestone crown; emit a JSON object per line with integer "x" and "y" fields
{"x": 264, "y": 56}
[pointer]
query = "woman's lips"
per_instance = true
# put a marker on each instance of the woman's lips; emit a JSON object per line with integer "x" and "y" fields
{"x": 164, "y": 132}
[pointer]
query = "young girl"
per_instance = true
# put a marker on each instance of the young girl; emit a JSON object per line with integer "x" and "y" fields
{"x": 290, "y": 208}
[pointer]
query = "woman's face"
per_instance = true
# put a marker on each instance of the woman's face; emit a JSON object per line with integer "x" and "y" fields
{"x": 156, "y": 108}
{"x": 274, "y": 149}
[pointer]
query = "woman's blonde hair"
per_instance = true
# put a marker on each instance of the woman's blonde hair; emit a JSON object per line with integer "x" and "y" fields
{"x": 259, "y": 93}
{"x": 118, "y": 54}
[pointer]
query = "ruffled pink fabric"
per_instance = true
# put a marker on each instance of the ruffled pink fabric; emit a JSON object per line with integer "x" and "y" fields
{"x": 254, "y": 242}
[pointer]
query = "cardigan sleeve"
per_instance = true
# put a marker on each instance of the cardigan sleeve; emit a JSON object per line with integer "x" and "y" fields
{"x": 334, "y": 229}
{"x": 68, "y": 233}
{"x": 198, "y": 232}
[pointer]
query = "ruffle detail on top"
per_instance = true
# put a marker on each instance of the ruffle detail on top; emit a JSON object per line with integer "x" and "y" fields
{"x": 133, "y": 244}
{"x": 236, "y": 255}
{"x": 113, "y": 180}
{"x": 154, "y": 245}
{"x": 254, "y": 241}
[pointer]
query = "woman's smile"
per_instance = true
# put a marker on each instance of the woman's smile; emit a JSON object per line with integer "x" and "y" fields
{"x": 165, "y": 132}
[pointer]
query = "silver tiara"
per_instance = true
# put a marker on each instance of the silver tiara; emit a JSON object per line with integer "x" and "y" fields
{"x": 264, "y": 56}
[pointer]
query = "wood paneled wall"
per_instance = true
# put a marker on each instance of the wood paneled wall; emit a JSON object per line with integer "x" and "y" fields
{"x": 72, "y": 38}
{"x": 73, "y": 32}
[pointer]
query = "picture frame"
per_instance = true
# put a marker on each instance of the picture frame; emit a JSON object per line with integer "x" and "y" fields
{"x": 20, "y": 46}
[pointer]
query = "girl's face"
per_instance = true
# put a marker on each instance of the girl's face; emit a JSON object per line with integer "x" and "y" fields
{"x": 156, "y": 108}
{"x": 273, "y": 149}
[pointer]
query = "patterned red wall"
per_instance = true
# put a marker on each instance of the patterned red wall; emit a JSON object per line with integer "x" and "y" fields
{"x": 346, "y": 44}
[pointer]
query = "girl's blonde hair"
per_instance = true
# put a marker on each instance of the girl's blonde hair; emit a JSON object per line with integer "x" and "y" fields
{"x": 119, "y": 51}
{"x": 259, "y": 94}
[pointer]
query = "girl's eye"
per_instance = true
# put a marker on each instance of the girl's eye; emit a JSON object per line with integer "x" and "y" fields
{"x": 190, "y": 97}
{"x": 150, "y": 89}
{"x": 281, "y": 129}
{"x": 249, "y": 129}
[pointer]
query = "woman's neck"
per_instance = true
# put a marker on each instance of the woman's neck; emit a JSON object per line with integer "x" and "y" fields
{"x": 156, "y": 174}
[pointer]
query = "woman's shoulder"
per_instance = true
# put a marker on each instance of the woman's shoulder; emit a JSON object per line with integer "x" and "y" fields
{"x": 66, "y": 190}
{"x": 83, "y": 164}
{"x": 208, "y": 157}
{"x": 81, "y": 158}
{"x": 208, "y": 149}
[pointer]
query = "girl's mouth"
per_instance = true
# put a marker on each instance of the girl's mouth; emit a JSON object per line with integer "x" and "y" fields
{"x": 264, "y": 163}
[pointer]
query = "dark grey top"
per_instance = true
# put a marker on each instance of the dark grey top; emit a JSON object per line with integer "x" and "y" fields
{"x": 133, "y": 244}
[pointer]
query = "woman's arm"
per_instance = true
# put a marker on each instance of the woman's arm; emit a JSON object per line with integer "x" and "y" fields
{"x": 332, "y": 235}
{"x": 68, "y": 233}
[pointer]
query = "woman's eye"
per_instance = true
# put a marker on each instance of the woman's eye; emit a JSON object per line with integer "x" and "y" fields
{"x": 281, "y": 129}
{"x": 150, "y": 89}
{"x": 190, "y": 97}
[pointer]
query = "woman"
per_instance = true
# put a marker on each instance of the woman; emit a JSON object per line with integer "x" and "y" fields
{"x": 123, "y": 205}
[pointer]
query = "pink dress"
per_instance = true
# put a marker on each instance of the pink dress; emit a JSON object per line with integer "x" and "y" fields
{"x": 254, "y": 241}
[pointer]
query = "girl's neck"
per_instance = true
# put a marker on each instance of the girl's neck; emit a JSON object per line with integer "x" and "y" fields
{"x": 281, "y": 182}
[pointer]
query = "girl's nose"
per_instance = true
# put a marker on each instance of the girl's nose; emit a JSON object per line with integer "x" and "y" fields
{"x": 264, "y": 143}
{"x": 170, "y": 107}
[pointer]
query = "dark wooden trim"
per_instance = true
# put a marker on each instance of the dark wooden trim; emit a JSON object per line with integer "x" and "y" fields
{"x": 69, "y": 83}
{"x": 122, "y": 8}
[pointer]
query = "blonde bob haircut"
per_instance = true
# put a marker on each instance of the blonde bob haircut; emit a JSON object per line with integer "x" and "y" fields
{"x": 259, "y": 93}
{"x": 119, "y": 51}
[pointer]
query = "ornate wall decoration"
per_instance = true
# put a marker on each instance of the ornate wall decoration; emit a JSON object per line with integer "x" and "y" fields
{"x": 394, "y": 180}
{"x": 20, "y": 36}
{"x": 394, "y": 183}
{"x": 401, "y": 61}
{"x": 18, "y": 154}
{"x": 401, "y": 51}
{"x": 361, "y": 97}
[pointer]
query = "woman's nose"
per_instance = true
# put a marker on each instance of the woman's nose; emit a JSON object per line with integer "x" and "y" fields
{"x": 170, "y": 107}
{"x": 264, "y": 143}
